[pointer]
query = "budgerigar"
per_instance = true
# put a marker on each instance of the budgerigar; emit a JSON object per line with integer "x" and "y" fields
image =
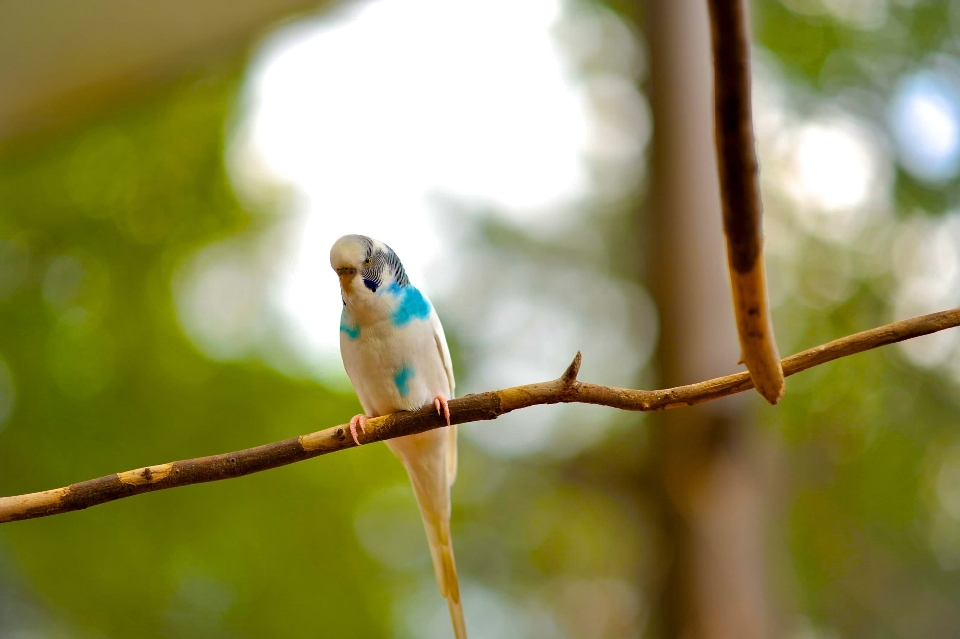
{"x": 396, "y": 356}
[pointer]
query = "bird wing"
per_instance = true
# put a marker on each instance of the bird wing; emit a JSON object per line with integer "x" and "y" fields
{"x": 431, "y": 462}
{"x": 444, "y": 351}
{"x": 441, "y": 340}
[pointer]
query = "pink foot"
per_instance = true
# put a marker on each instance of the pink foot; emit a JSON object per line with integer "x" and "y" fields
{"x": 354, "y": 421}
{"x": 439, "y": 402}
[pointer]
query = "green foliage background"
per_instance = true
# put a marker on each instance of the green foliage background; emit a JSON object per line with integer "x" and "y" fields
{"x": 107, "y": 381}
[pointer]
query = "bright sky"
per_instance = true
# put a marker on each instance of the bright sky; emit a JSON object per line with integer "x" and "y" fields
{"x": 926, "y": 124}
{"x": 834, "y": 166}
{"x": 393, "y": 118}
{"x": 377, "y": 113}
{"x": 373, "y": 112}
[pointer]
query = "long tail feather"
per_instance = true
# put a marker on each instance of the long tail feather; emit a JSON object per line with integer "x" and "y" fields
{"x": 441, "y": 551}
{"x": 456, "y": 614}
{"x": 445, "y": 570}
{"x": 451, "y": 454}
{"x": 425, "y": 457}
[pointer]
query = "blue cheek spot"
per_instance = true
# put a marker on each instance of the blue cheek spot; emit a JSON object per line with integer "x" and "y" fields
{"x": 413, "y": 305}
{"x": 401, "y": 380}
{"x": 373, "y": 285}
{"x": 346, "y": 326}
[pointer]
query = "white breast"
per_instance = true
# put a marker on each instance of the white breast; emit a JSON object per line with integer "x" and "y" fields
{"x": 396, "y": 368}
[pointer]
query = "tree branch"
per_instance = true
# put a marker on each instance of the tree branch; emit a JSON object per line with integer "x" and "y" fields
{"x": 740, "y": 188}
{"x": 471, "y": 408}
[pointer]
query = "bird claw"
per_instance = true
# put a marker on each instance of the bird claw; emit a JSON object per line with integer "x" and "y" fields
{"x": 439, "y": 402}
{"x": 354, "y": 421}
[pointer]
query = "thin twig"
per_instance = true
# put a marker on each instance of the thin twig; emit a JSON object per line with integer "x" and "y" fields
{"x": 740, "y": 190}
{"x": 470, "y": 408}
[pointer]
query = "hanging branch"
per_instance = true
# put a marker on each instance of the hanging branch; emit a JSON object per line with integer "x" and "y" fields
{"x": 470, "y": 408}
{"x": 740, "y": 190}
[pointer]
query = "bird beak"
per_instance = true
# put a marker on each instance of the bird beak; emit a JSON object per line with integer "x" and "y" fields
{"x": 346, "y": 274}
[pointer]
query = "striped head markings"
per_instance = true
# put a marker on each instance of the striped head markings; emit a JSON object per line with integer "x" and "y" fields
{"x": 375, "y": 262}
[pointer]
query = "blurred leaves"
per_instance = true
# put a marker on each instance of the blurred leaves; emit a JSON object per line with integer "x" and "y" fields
{"x": 92, "y": 228}
{"x": 97, "y": 376}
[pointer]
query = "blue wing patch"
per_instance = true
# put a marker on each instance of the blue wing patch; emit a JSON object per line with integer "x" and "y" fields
{"x": 401, "y": 380}
{"x": 413, "y": 305}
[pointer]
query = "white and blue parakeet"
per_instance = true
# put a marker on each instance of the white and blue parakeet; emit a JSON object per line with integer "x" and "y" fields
{"x": 396, "y": 356}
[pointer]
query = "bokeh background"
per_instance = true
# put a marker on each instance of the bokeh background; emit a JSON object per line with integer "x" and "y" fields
{"x": 173, "y": 174}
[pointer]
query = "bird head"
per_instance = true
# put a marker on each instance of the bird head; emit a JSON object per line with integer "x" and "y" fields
{"x": 366, "y": 268}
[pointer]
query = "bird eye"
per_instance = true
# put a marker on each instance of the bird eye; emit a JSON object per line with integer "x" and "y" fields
{"x": 366, "y": 262}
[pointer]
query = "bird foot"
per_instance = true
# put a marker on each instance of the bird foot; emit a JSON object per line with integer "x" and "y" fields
{"x": 441, "y": 402}
{"x": 356, "y": 420}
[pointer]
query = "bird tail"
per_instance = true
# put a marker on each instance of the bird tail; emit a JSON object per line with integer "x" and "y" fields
{"x": 426, "y": 458}
{"x": 451, "y": 454}
{"x": 445, "y": 570}
{"x": 456, "y": 614}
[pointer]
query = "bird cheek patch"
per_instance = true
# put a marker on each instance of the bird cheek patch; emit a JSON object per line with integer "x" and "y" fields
{"x": 373, "y": 285}
{"x": 346, "y": 326}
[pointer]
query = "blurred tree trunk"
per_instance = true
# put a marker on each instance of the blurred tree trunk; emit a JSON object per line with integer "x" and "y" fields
{"x": 709, "y": 490}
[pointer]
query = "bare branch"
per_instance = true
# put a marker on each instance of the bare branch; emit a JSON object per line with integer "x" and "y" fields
{"x": 740, "y": 188}
{"x": 470, "y": 408}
